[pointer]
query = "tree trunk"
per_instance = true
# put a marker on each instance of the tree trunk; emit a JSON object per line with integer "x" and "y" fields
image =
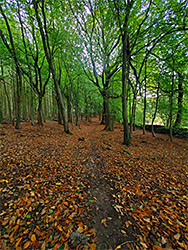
{"x": 180, "y": 102}
{"x": 40, "y": 119}
{"x": 145, "y": 102}
{"x": 49, "y": 57}
{"x": 1, "y": 108}
{"x": 59, "y": 116}
{"x": 156, "y": 107}
{"x": 12, "y": 51}
{"x": 125, "y": 76}
{"x": 129, "y": 100}
{"x": 134, "y": 117}
{"x": 18, "y": 97}
{"x": 69, "y": 108}
{"x": 77, "y": 116}
{"x": 59, "y": 97}
{"x": 9, "y": 104}
{"x": 32, "y": 107}
{"x": 6, "y": 94}
{"x": 103, "y": 114}
{"x": 132, "y": 120}
{"x": 24, "y": 101}
{"x": 107, "y": 117}
{"x": 171, "y": 105}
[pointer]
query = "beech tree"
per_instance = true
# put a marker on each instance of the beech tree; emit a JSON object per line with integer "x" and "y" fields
{"x": 9, "y": 42}
{"x": 101, "y": 47}
{"x": 92, "y": 46}
{"x": 49, "y": 56}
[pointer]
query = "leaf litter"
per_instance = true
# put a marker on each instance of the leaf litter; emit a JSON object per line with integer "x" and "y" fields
{"x": 54, "y": 186}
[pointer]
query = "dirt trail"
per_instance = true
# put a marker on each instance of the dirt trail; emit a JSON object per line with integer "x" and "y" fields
{"x": 106, "y": 215}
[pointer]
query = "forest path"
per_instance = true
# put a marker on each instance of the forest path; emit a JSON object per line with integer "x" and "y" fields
{"x": 60, "y": 191}
{"x": 106, "y": 215}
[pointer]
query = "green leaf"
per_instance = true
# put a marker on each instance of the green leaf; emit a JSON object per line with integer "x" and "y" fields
{"x": 147, "y": 169}
{"x": 28, "y": 216}
{"x": 134, "y": 207}
{"x": 91, "y": 200}
{"x": 51, "y": 211}
{"x": 164, "y": 224}
{"x": 61, "y": 247}
{"x": 156, "y": 243}
{"x": 3, "y": 231}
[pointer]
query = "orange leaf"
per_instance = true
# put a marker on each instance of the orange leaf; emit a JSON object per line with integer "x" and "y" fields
{"x": 33, "y": 238}
{"x": 57, "y": 213}
{"x": 26, "y": 231}
{"x": 118, "y": 247}
{"x": 18, "y": 242}
{"x": 27, "y": 244}
{"x": 11, "y": 240}
{"x": 16, "y": 228}
{"x": 157, "y": 247}
{"x": 78, "y": 246}
{"x": 56, "y": 246}
{"x": 92, "y": 246}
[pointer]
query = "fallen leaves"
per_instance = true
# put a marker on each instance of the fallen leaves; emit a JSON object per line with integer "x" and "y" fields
{"x": 103, "y": 221}
{"x": 26, "y": 245}
{"x": 44, "y": 190}
{"x": 47, "y": 193}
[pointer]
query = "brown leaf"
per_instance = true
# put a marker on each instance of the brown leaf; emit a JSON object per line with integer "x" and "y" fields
{"x": 103, "y": 221}
{"x": 177, "y": 236}
{"x": 43, "y": 247}
{"x": 124, "y": 233}
{"x": 144, "y": 245}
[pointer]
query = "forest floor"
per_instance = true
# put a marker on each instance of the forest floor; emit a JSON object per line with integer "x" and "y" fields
{"x": 88, "y": 191}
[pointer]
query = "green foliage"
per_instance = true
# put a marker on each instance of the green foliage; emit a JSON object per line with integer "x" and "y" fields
{"x": 85, "y": 40}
